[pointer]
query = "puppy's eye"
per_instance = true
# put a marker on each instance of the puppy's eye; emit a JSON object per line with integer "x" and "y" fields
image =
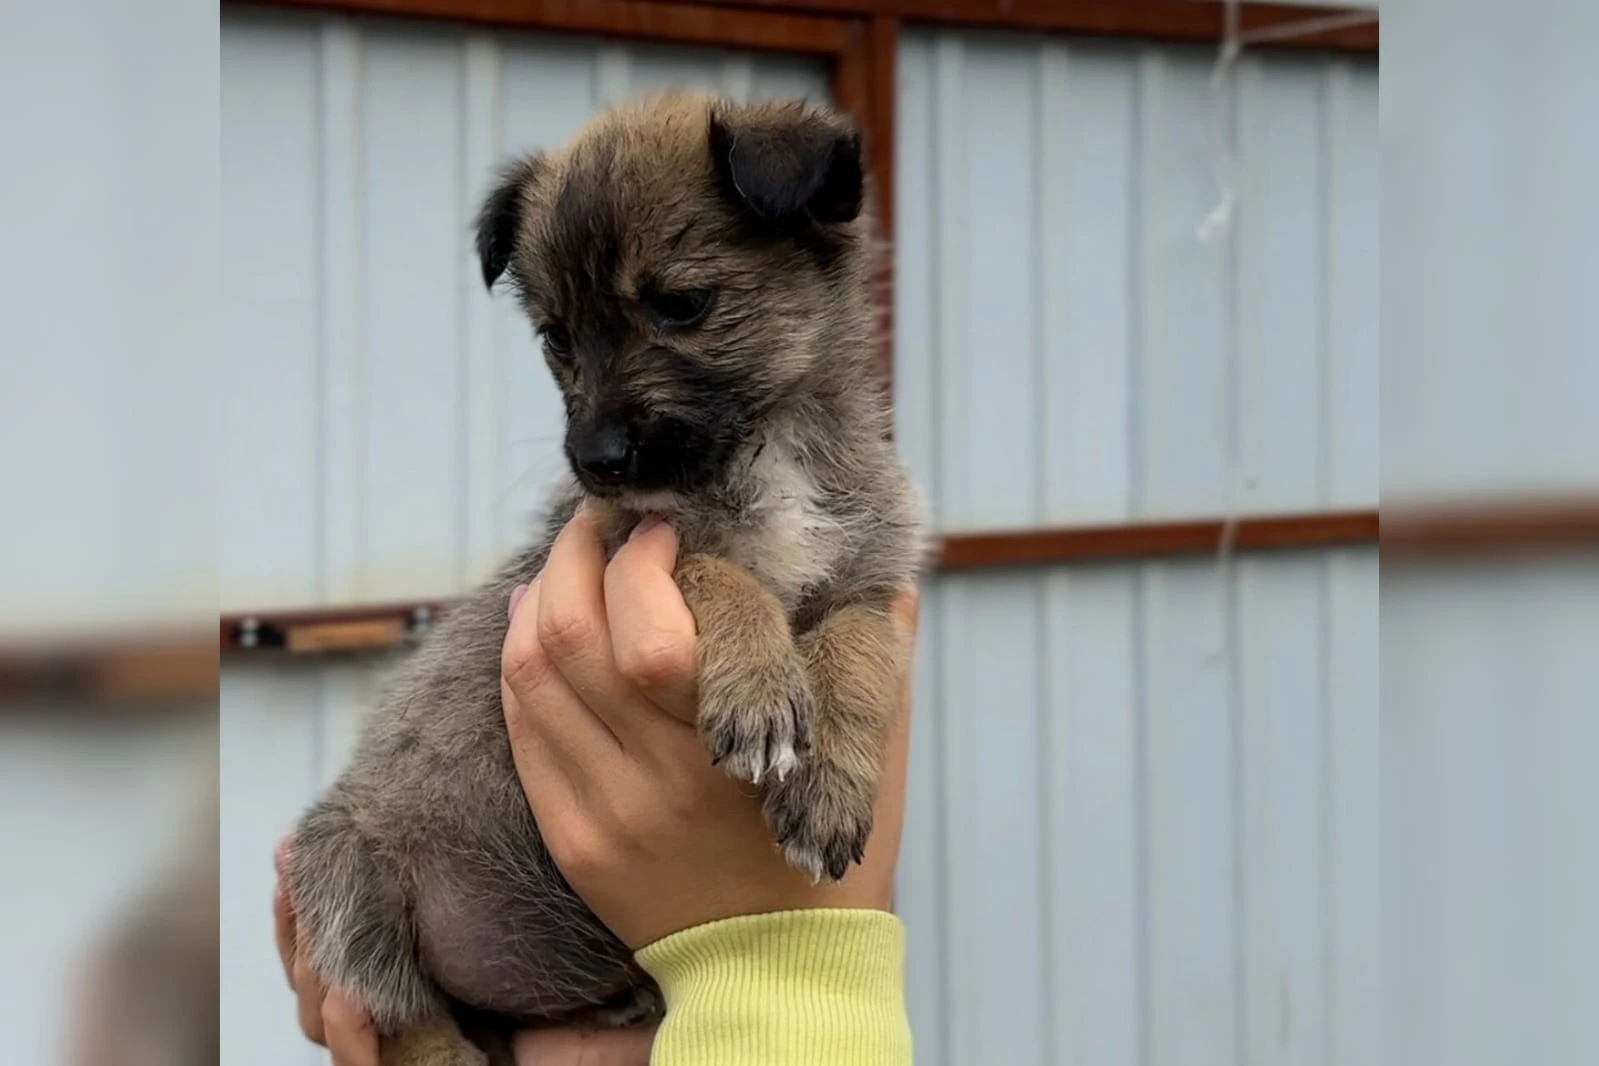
{"x": 557, "y": 341}
{"x": 682, "y": 309}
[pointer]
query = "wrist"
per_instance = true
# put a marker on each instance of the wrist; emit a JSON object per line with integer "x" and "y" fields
{"x": 822, "y": 985}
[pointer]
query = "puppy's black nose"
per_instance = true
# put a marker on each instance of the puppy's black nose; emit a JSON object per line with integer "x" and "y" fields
{"x": 604, "y": 454}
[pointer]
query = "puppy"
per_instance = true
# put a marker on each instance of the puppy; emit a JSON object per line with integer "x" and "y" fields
{"x": 700, "y": 274}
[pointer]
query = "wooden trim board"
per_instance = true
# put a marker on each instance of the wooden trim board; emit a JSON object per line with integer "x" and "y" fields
{"x": 1348, "y": 29}
{"x": 775, "y": 31}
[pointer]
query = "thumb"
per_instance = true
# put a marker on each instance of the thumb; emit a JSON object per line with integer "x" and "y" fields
{"x": 653, "y": 542}
{"x": 907, "y": 619}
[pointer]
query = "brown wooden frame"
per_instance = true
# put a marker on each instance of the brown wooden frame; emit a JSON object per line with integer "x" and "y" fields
{"x": 1174, "y": 21}
{"x": 677, "y": 23}
{"x": 166, "y": 671}
{"x": 1525, "y": 528}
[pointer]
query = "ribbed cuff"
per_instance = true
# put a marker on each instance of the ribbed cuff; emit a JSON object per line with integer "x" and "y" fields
{"x": 795, "y": 988}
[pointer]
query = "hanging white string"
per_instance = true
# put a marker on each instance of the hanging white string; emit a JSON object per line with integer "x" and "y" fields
{"x": 1306, "y": 27}
{"x": 1216, "y": 224}
{"x": 1216, "y": 228}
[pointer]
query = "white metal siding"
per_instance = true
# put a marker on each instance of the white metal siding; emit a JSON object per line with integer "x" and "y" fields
{"x": 1069, "y": 350}
{"x": 1142, "y": 824}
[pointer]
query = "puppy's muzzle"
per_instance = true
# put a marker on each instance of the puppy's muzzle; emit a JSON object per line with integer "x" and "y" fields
{"x": 606, "y": 455}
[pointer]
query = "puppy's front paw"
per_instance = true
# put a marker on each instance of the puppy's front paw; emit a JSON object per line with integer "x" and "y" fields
{"x": 755, "y": 714}
{"x": 822, "y": 818}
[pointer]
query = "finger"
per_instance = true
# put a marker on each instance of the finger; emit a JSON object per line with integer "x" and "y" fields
{"x": 573, "y": 628}
{"x": 283, "y": 932}
{"x": 652, "y": 629}
{"x": 543, "y": 773}
{"x": 907, "y": 621}
{"x": 351, "y": 1038}
{"x": 516, "y": 598}
{"x": 540, "y": 700}
{"x": 308, "y": 994}
{"x": 571, "y": 1047}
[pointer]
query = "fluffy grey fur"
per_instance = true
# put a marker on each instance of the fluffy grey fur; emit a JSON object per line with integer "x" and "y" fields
{"x": 703, "y": 275}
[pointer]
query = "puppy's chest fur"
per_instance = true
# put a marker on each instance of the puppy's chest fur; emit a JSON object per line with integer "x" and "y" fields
{"x": 774, "y": 520}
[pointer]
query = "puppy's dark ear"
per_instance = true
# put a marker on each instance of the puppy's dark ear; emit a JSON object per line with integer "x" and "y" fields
{"x": 788, "y": 164}
{"x": 500, "y": 217}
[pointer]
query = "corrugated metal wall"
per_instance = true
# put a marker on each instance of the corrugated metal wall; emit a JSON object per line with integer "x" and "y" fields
{"x": 1068, "y": 349}
{"x": 1143, "y": 823}
{"x": 1143, "y": 816}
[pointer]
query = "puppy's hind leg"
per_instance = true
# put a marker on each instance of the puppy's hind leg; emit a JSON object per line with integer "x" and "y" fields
{"x": 354, "y": 919}
{"x": 435, "y": 1043}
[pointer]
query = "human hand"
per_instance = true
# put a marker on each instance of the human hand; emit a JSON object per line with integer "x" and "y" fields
{"x": 334, "y": 1020}
{"x": 598, "y": 685}
{"x": 327, "y": 1017}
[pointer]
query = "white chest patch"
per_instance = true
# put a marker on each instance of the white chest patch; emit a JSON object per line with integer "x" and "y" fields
{"x": 791, "y": 542}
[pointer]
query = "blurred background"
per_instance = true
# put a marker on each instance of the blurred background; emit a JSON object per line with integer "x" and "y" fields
{"x": 1169, "y": 806}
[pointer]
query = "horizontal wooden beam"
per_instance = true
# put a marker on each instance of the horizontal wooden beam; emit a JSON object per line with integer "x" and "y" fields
{"x": 1334, "y": 28}
{"x": 815, "y": 25}
{"x": 1145, "y": 540}
{"x": 358, "y": 627}
{"x": 162, "y": 670}
{"x": 770, "y": 30}
{"x": 1532, "y": 527}
{"x": 166, "y": 668}
{"x": 369, "y": 627}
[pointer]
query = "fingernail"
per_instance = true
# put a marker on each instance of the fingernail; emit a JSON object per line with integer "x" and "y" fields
{"x": 516, "y": 598}
{"x": 649, "y": 522}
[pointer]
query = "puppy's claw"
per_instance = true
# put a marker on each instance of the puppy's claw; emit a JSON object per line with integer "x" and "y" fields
{"x": 821, "y": 821}
{"x": 805, "y": 861}
{"x": 754, "y": 722}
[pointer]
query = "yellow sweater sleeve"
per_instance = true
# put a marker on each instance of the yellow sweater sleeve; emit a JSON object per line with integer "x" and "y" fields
{"x": 796, "y": 988}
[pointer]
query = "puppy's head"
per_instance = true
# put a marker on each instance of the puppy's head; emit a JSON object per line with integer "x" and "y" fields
{"x": 687, "y": 263}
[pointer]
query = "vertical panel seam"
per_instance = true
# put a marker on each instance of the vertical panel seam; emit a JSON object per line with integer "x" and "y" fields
{"x": 1329, "y": 814}
{"x": 1044, "y": 57}
{"x": 1237, "y": 714}
{"x": 1331, "y": 148}
{"x": 1145, "y": 279}
{"x": 321, "y": 508}
{"x": 463, "y": 329}
{"x": 1144, "y": 282}
{"x": 1142, "y": 801}
{"x": 959, "y": 963}
{"x": 360, "y": 354}
{"x": 340, "y": 402}
{"x": 1055, "y": 1025}
{"x": 1231, "y": 263}
{"x": 950, "y": 307}
{"x": 1243, "y": 372}
{"x": 1051, "y": 846}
